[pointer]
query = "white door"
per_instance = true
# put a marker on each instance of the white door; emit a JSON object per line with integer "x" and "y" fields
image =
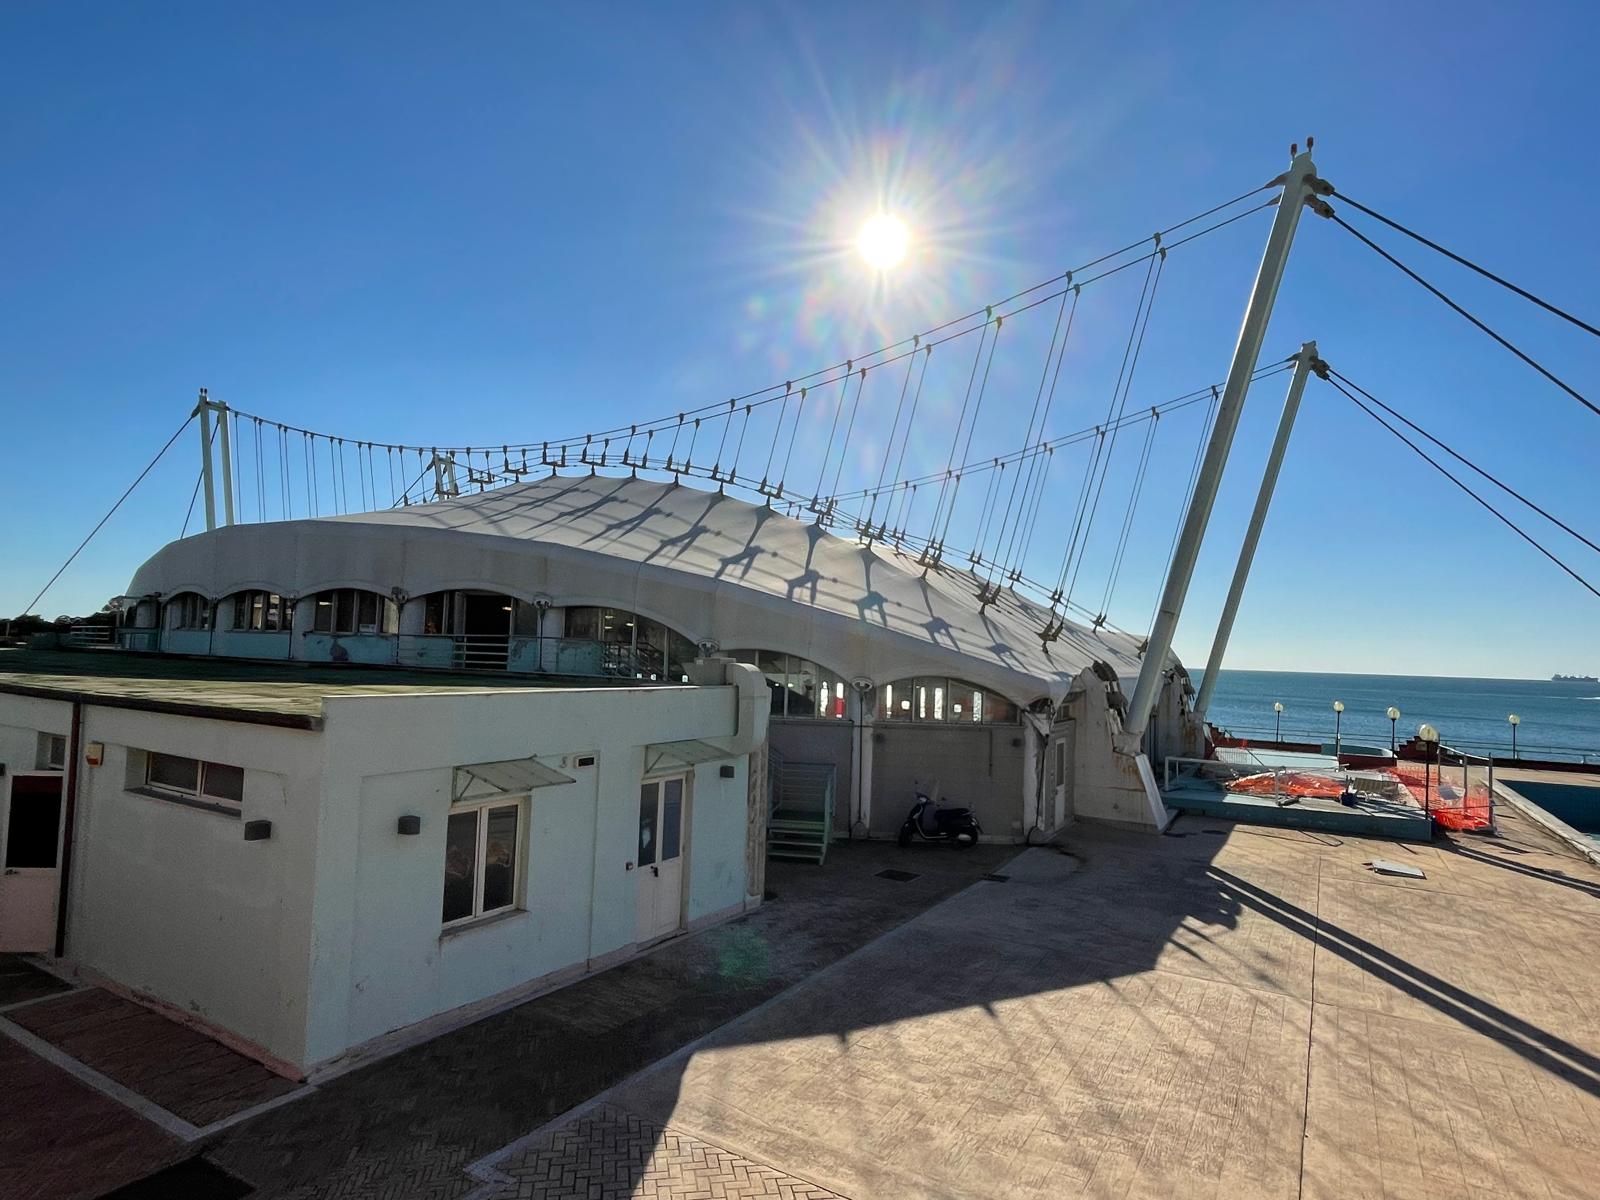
{"x": 661, "y": 838}
{"x": 30, "y": 823}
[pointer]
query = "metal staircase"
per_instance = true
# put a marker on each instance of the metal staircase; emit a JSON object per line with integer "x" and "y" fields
{"x": 800, "y": 818}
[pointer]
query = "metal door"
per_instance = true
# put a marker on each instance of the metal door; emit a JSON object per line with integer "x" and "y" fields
{"x": 30, "y": 826}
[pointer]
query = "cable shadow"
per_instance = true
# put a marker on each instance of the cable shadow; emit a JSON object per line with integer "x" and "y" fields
{"x": 1559, "y": 878}
{"x": 1538, "y": 1046}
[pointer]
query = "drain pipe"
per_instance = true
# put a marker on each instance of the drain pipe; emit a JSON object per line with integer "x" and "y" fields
{"x": 75, "y": 746}
{"x": 1305, "y": 362}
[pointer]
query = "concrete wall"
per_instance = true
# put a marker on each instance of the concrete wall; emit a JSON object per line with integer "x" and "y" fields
{"x": 251, "y": 643}
{"x": 975, "y": 767}
{"x": 1112, "y": 780}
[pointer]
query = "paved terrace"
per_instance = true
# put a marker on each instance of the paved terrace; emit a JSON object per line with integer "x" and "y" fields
{"x": 1225, "y": 1011}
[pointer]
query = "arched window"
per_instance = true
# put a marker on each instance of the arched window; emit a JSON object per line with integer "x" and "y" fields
{"x": 188, "y": 610}
{"x": 352, "y": 610}
{"x": 651, "y": 649}
{"x": 258, "y": 612}
{"x": 799, "y": 687}
{"x": 948, "y": 701}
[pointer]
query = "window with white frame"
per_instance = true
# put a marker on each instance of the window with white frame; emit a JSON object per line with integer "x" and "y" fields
{"x": 194, "y": 779}
{"x": 482, "y": 860}
{"x": 948, "y": 701}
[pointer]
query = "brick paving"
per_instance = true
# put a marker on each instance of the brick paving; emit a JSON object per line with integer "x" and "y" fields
{"x": 410, "y": 1125}
{"x": 613, "y": 1155}
{"x": 170, "y": 1064}
{"x": 62, "y": 1140}
{"x": 1226, "y": 1013}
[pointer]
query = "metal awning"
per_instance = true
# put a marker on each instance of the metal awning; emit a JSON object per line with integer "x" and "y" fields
{"x": 688, "y": 753}
{"x": 513, "y": 777}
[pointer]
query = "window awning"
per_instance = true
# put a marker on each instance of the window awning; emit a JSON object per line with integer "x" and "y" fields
{"x": 513, "y": 777}
{"x": 687, "y": 753}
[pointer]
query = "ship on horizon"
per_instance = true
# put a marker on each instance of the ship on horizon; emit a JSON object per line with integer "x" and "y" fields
{"x": 1574, "y": 679}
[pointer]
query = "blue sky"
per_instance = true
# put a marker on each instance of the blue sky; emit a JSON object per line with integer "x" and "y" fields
{"x": 502, "y": 222}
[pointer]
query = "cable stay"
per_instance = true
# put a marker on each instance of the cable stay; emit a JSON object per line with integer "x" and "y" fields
{"x": 110, "y": 512}
{"x": 1434, "y": 463}
{"x": 1188, "y": 493}
{"x": 1462, "y": 312}
{"x": 1101, "y": 459}
{"x": 977, "y": 410}
{"x": 1468, "y": 463}
{"x": 844, "y": 447}
{"x": 1127, "y": 517}
{"x": 1469, "y": 264}
{"x": 888, "y": 449}
{"x": 955, "y": 441}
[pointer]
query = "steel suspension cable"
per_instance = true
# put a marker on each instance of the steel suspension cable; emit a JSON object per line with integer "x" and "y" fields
{"x": 1102, "y": 450}
{"x": 100, "y": 524}
{"x": 1495, "y": 512}
{"x": 888, "y": 449}
{"x": 1188, "y": 495}
{"x": 1468, "y": 463}
{"x": 1127, "y": 388}
{"x": 1035, "y": 468}
{"x": 844, "y": 447}
{"x": 1460, "y": 311}
{"x": 1133, "y": 507}
{"x": 1469, "y": 264}
{"x": 977, "y": 411}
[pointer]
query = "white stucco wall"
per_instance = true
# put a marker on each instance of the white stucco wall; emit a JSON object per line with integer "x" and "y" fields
{"x": 329, "y": 933}
{"x": 380, "y": 960}
{"x": 171, "y": 901}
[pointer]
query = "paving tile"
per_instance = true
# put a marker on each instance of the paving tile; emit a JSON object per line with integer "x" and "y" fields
{"x": 61, "y": 1140}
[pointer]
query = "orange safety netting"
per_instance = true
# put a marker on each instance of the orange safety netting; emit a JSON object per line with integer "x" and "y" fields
{"x": 1455, "y": 802}
{"x": 1307, "y": 784}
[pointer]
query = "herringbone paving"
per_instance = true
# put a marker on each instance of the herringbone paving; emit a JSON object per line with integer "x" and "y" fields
{"x": 613, "y": 1154}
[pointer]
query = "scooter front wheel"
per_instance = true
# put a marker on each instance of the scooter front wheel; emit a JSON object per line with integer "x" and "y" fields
{"x": 905, "y": 834}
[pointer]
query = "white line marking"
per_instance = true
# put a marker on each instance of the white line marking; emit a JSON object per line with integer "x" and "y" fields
{"x": 150, "y": 1111}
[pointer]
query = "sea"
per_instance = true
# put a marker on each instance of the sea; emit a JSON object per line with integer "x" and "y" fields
{"x": 1560, "y": 719}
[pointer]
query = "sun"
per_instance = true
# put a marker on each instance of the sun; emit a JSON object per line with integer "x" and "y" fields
{"x": 883, "y": 241}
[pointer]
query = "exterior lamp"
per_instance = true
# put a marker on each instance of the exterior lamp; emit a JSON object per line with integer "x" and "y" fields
{"x": 1429, "y": 737}
{"x": 1394, "y": 717}
{"x": 1338, "y": 720}
{"x": 1277, "y": 720}
{"x": 1515, "y": 721}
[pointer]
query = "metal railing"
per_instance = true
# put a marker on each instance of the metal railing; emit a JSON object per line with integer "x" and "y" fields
{"x": 1499, "y": 749}
{"x": 1212, "y": 770}
{"x": 90, "y": 635}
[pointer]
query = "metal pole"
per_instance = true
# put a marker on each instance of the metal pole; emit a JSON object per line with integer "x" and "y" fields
{"x": 224, "y": 419}
{"x": 203, "y": 408}
{"x": 1298, "y": 186}
{"x": 1258, "y": 518}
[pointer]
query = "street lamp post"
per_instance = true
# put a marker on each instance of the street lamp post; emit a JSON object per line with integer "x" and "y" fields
{"x": 1429, "y": 736}
{"x": 1515, "y": 721}
{"x": 1277, "y": 720}
{"x": 1394, "y": 717}
{"x": 1338, "y": 720}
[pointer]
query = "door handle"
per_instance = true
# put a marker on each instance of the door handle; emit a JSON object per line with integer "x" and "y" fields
{"x": 656, "y": 871}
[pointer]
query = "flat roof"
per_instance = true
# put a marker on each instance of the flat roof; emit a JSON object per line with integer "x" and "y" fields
{"x": 285, "y": 694}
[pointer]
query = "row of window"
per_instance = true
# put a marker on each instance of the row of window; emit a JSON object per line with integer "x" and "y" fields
{"x": 338, "y": 610}
{"x": 799, "y": 687}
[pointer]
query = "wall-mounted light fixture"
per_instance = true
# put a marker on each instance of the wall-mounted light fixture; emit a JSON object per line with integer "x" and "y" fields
{"x": 257, "y": 831}
{"x": 410, "y": 825}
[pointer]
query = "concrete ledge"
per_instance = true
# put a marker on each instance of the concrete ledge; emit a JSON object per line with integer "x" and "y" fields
{"x": 1577, "y": 841}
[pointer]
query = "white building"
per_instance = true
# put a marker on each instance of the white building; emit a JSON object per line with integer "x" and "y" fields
{"x": 894, "y": 673}
{"x": 309, "y": 861}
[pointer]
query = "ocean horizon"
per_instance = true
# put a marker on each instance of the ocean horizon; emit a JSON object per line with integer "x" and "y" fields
{"x": 1559, "y": 719}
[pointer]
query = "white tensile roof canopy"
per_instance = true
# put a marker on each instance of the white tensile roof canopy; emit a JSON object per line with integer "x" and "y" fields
{"x": 708, "y": 565}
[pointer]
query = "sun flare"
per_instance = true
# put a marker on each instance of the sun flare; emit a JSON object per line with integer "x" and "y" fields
{"x": 883, "y": 241}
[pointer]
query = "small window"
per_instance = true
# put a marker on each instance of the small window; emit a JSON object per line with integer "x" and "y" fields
{"x": 192, "y": 779}
{"x": 798, "y": 686}
{"x": 52, "y": 752}
{"x": 482, "y": 858}
{"x": 945, "y": 701}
